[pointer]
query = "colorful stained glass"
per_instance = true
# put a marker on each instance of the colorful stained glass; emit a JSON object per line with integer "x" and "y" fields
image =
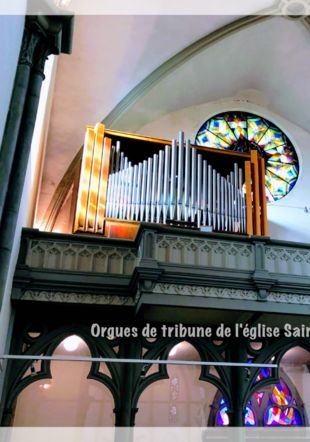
{"x": 276, "y": 186}
{"x": 281, "y": 394}
{"x": 241, "y": 132}
{"x": 281, "y": 408}
{"x": 287, "y": 172}
{"x": 259, "y": 395}
{"x": 278, "y": 417}
{"x": 208, "y": 139}
{"x": 282, "y": 159}
{"x": 263, "y": 374}
{"x": 239, "y": 126}
{"x": 276, "y": 414}
{"x": 219, "y": 126}
{"x": 249, "y": 417}
{"x": 272, "y": 138}
{"x": 222, "y": 418}
{"x": 257, "y": 127}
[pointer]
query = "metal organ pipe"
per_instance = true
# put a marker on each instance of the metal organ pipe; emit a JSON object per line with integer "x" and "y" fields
{"x": 218, "y": 199}
{"x": 159, "y": 186}
{"x": 148, "y": 189}
{"x": 121, "y": 193}
{"x": 129, "y": 191}
{"x": 117, "y": 153}
{"x": 173, "y": 178}
{"x": 166, "y": 183}
{"x": 210, "y": 194}
{"x": 112, "y": 159}
{"x": 193, "y": 184}
{"x": 222, "y": 202}
{"x": 141, "y": 191}
{"x": 115, "y": 195}
{"x": 180, "y": 177}
{"x": 232, "y": 200}
{"x": 187, "y": 180}
{"x": 121, "y": 166}
{"x": 214, "y": 199}
{"x": 204, "y": 192}
{"x": 226, "y": 221}
{"x": 134, "y": 191}
{"x": 109, "y": 196}
{"x": 176, "y": 184}
{"x": 199, "y": 184}
{"x": 154, "y": 187}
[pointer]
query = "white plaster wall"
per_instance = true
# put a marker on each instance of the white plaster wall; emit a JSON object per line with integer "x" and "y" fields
{"x": 287, "y": 217}
{"x": 41, "y": 131}
{"x": 11, "y": 32}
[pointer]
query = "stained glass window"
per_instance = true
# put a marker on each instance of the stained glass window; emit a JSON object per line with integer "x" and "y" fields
{"x": 259, "y": 395}
{"x": 249, "y": 416}
{"x": 273, "y": 405}
{"x": 281, "y": 394}
{"x": 263, "y": 374}
{"x": 277, "y": 417}
{"x": 222, "y": 418}
{"x": 241, "y": 132}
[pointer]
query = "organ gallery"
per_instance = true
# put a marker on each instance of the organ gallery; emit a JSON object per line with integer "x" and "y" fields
{"x": 155, "y": 257}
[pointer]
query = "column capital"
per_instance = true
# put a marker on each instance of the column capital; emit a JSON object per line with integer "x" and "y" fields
{"x": 45, "y": 35}
{"x": 56, "y": 29}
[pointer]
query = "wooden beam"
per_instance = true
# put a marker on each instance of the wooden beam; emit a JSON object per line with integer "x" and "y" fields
{"x": 85, "y": 176}
{"x": 103, "y": 186}
{"x": 256, "y": 193}
{"x": 263, "y": 201}
{"x": 248, "y": 196}
{"x": 95, "y": 179}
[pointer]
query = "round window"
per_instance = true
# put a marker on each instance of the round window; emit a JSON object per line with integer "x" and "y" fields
{"x": 241, "y": 132}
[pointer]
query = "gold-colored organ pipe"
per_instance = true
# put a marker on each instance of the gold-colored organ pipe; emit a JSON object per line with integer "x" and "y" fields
{"x": 82, "y": 198}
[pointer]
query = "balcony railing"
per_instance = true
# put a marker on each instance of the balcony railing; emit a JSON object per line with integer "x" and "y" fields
{"x": 163, "y": 260}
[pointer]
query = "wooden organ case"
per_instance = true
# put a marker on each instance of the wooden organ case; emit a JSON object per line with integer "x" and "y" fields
{"x": 127, "y": 179}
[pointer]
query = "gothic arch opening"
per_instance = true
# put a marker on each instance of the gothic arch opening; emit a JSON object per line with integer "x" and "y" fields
{"x": 182, "y": 400}
{"x": 68, "y": 398}
{"x": 280, "y": 404}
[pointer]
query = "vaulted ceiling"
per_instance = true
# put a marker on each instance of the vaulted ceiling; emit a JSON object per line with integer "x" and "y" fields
{"x": 130, "y": 70}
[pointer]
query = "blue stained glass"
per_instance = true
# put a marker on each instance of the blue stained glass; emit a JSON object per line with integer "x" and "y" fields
{"x": 240, "y": 131}
{"x": 222, "y": 418}
{"x": 278, "y": 417}
{"x": 263, "y": 374}
{"x": 274, "y": 415}
{"x": 208, "y": 139}
{"x": 249, "y": 417}
{"x": 239, "y": 126}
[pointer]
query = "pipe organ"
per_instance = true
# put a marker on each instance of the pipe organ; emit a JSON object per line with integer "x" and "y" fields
{"x": 174, "y": 183}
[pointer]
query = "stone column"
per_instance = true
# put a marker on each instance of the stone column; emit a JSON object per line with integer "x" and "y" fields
{"x": 238, "y": 353}
{"x": 125, "y": 411}
{"x": 43, "y": 36}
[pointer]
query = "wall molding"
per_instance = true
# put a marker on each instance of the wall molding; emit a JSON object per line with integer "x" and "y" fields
{"x": 76, "y": 298}
{"x": 288, "y": 298}
{"x": 205, "y": 292}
